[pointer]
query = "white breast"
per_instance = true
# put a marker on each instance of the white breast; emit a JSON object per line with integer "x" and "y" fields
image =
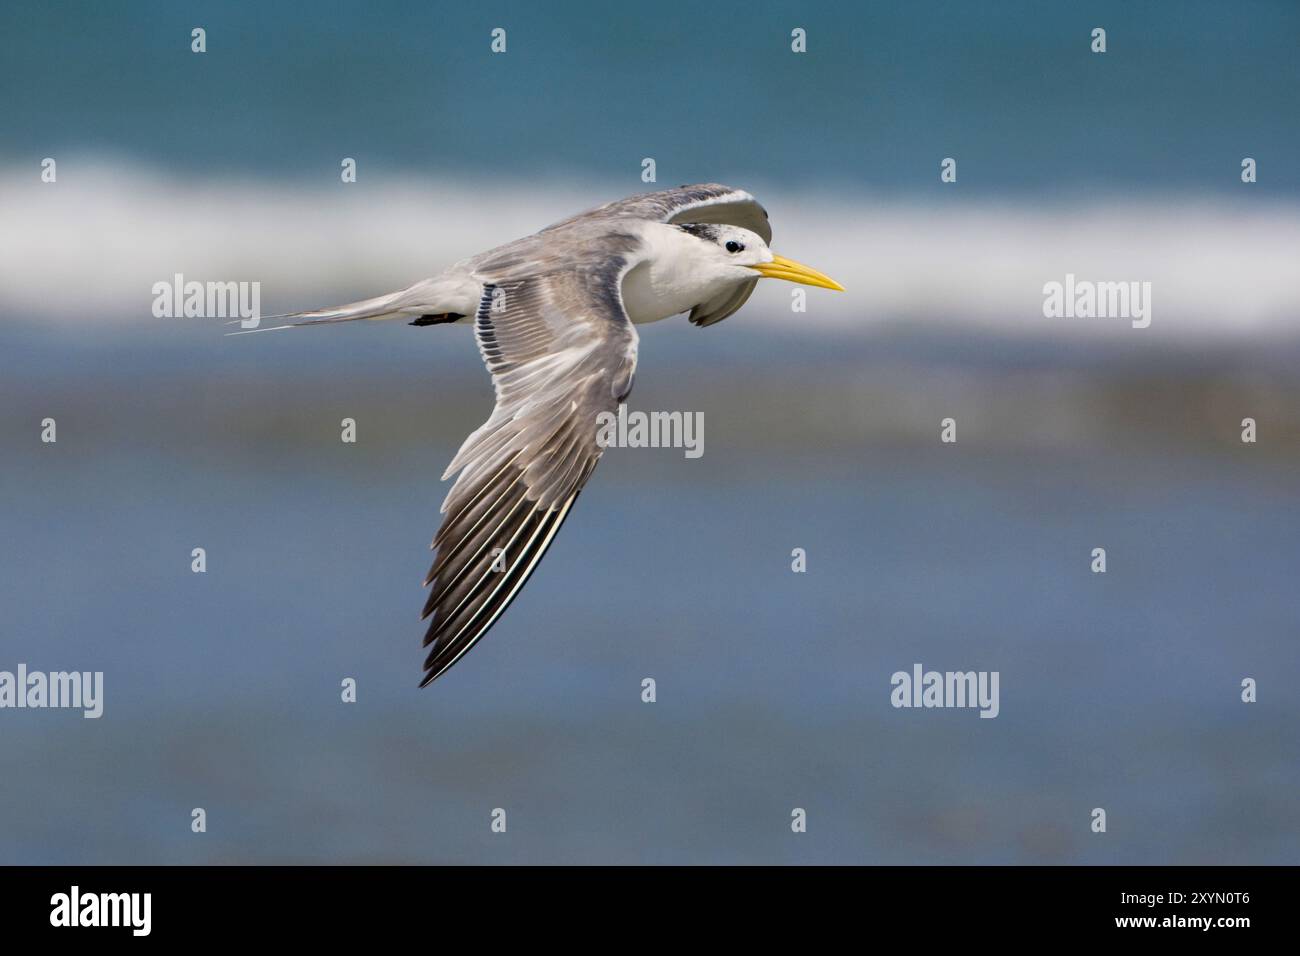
{"x": 670, "y": 279}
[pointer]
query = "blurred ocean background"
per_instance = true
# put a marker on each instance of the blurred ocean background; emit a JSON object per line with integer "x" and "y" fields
{"x": 821, "y": 432}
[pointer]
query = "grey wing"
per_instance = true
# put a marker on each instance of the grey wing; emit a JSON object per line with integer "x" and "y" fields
{"x": 704, "y": 202}
{"x": 561, "y": 350}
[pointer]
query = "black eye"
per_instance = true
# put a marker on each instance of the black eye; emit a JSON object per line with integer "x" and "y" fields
{"x": 734, "y": 246}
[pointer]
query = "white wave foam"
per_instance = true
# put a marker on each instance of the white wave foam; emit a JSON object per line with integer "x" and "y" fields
{"x": 88, "y": 248}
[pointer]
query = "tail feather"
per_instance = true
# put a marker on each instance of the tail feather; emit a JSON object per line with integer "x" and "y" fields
{"x": 427, "y": 300}
{"x": 381, "y": 307}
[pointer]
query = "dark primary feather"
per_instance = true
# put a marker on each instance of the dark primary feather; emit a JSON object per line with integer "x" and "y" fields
{"x": 561, "y": 350}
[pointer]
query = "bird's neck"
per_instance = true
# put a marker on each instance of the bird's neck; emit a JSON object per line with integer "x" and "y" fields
{"x": 670, "y": 278}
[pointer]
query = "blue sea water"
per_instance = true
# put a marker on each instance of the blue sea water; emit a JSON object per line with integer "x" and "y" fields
{"x": 886, "y": 90}
{"x": 222, "y": 690}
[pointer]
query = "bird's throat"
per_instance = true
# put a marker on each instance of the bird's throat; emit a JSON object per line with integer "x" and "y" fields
{"x": 670, "y": 279}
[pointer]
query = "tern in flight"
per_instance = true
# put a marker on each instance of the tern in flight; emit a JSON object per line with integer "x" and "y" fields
{"x": 554, "y": 315}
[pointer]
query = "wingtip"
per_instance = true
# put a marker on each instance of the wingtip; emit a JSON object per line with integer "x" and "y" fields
{"x": 273, "y": 328}
{"x": 431, "y": 675}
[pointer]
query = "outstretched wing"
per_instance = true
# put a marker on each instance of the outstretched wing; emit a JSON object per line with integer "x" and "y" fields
{"x": 706, "y": 202}
{"x": 561, "y": 350}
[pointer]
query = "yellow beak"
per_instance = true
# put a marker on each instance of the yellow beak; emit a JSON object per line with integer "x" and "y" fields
{"x": 782, "y": 268}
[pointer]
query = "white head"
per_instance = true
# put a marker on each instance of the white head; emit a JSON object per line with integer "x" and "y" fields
{"x": 694, "y": 262}
{"x": 730, "y": 253}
